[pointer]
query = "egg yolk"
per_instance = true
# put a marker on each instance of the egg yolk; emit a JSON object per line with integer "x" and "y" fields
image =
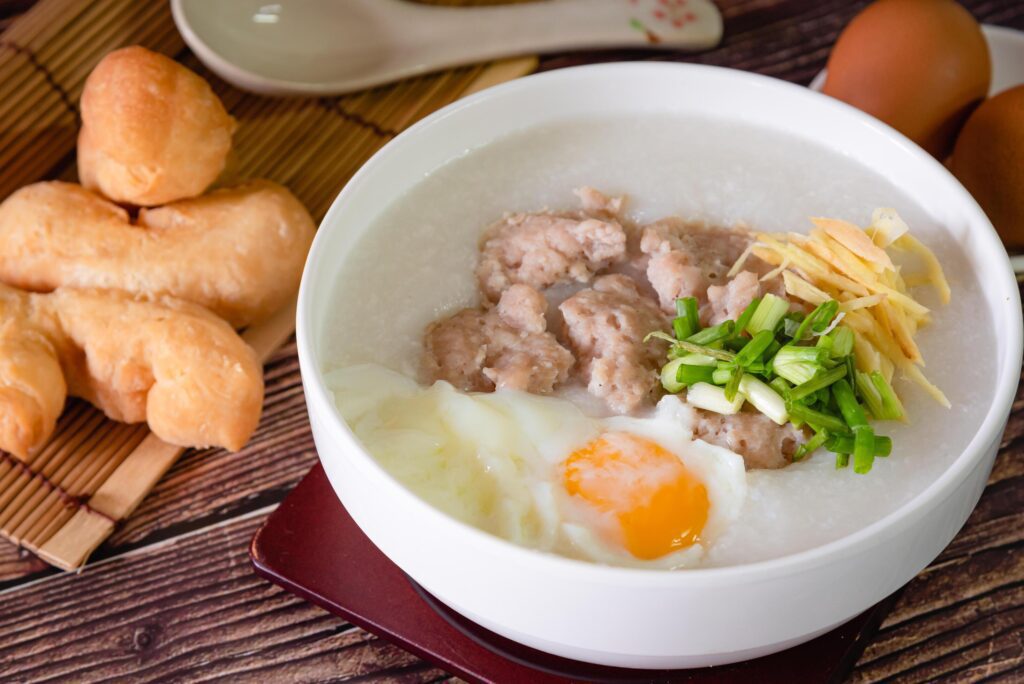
{"x": 659, "y": 505}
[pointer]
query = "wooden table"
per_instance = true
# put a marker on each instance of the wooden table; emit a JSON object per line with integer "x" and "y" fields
{"x": 171, "y": 594}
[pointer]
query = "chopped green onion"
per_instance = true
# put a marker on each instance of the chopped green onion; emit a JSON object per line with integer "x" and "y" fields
{"x": 691, "y": 359}
{"x": 736, "y": 343}
{"x": 780, "y": 385}
{"x": 818, "y": 419}
{"x": 686, "y": 307}
{"x": 811, "y": 445}
{"x": 758, "y": 367}
{"x": 711, "y": 398}
{"x": 891, "y": 406}
{"x": 769, "y": 312}
{"x": 670, "y": 376}
{"x": 798, "y": 364}
{"x": 790, "y": 326}
{"x": 803, "y": 382}
{"x": 733, "y": 386}
{"x": 797, "y": 373}
{"x": 721, "y": 376}
{"x": 827, "y": 311}
{"x": 713, "y": 334}
{"x": 719, "y": 354}
{"x": 791, "y": 352}
{"x": 843, "y": 444}
{"x": 818, "y": 319}
{"x": 691, "y": 375}
{"x": 842, "y": 342}
{"x": 744, "y": 320}
{"x": 764, "y": 398}
{"x": 825, "y": 342}
{"x": 852, "y": 412}
{"x": 681, "y": 327}
{"x": 863, "y": 449}
{"x": 675, "y": 375}
{"x": 869, "y": 393}
{"x": 755, "y": 348}
{"x": 805, "y": 325}
{"x": 817, "y": 383}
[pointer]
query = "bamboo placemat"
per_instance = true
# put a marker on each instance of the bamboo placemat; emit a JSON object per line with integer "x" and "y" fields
{"x": 70, "y": 496}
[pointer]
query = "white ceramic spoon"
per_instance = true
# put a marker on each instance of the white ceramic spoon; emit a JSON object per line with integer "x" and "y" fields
{"x": 326, "y": 47}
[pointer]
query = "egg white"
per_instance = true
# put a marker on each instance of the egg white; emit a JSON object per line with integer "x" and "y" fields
{"x": 493, "y": 460}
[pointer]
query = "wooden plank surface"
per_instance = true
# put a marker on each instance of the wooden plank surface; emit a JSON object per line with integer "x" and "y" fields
{"x": 172, "y": 596}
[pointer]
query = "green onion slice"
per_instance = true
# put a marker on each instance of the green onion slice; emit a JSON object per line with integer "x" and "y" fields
{"x": 820, "y": 382}
{"x": 869, "y": 393}
{"x": 811, "y": 445}
{"x": 691, "y": 359}
{"x": 744, "y": 320}
{"x": 764, "y": 398}
{"x": 713, "y": 334}
{"x": 827, "y": 311}
{"x": 818, "y": 419}
{"x": 892, "y": 408}
{"x": 670, "y": 377}
{"x": 769, "y": 312}
{"x": 798, "y": 364}
{"x": 852, "y": 411}
{"x": 711, "y": 398}
{"x": 780, "y": 385}
{"x": 681, "y": 327}
{"x": 687, "y": 308}
{"x": 863, "y": 449}
{"x": 818, "y": 319}
{"x": 733, "y": 386}
{"x": 721, "y": 376}
{"x": 842, "y": 342}
{"x": 758, "y": 344}
{"x": 843, "y": 444}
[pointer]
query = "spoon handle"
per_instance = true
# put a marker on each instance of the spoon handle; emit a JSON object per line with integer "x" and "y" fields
{"x": 458, "y": 35}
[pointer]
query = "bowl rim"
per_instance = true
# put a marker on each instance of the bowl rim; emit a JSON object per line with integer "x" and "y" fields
{"x": 856, "y": 543}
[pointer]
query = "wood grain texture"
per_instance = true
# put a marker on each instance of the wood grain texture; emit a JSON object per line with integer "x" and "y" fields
{"x": 962, "y": 618}
{"x": 187, "y": 610}
{"x": 174, "y": 598}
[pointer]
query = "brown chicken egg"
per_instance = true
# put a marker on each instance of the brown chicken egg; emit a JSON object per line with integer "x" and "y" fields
{"x": 920, "y": 66}
{"x": 989, "y": 160}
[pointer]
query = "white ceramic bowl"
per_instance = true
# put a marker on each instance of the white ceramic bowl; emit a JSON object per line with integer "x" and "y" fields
{"x": 643, "y": 618}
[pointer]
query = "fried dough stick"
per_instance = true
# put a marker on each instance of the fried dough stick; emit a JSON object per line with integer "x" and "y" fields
{"x": 152, "y": 131}
{"x": 238, "y": 251}
{"x": 160, "y": 360}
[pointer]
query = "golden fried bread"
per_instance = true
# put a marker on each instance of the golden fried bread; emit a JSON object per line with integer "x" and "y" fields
{"x": 161, "y": 360}
{"x": 152, "y": 131}
{"x": 238, "y": 251}
{"x": 32, "y": 387}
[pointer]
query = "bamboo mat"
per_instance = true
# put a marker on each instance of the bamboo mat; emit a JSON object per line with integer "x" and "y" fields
{"x": 70, "y": 496}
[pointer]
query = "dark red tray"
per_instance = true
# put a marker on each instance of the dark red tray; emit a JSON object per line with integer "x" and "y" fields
{"x": 311, "y": 547}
